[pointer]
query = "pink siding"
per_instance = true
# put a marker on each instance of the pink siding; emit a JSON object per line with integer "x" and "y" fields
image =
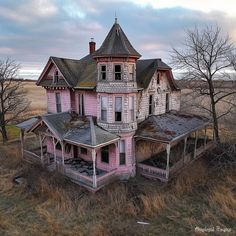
{"x": 65, "y": 100}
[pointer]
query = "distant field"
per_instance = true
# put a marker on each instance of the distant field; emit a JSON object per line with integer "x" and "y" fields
{"x": 37, "y": 97}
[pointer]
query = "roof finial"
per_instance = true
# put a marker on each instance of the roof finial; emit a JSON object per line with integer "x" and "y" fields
{"x": 115, "y": 18}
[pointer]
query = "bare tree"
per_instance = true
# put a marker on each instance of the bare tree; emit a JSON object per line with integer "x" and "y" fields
{"x": 206, "y": 61}
{"x": 12, "y": 96}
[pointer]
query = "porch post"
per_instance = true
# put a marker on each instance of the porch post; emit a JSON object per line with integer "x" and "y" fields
{"x": 54, "y": 151}
{"x": 205, "y": 138}
{"x": 195, "y": 144}
{"x": 94, "y": 168}
{"x": 41, "y": 148}
{"x": 22, "y": 134}
{"x": 168, "y": 160}
{"x": 63, "y": 153}
{"x": 184, "y": 152}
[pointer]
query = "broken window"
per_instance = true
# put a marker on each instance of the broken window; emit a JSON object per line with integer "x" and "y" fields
{"x": 103, "y": 72}
{"x": 150, "y": 104}
{"x": 105, "y": 154}
{"x": 104, "y": 108}
{"x": 58, "y": 102}
{"x": 117, "y": 72}
{"x": 122, "y": 152}
{"x": 118, "y": 109}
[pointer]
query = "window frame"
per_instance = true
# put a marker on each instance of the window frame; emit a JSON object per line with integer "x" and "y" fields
{"x": 58, "y": 102}
{"x": 158, "y": 78}
{"x": 103, "y": 72}
{"x": 81, "y": 104}
{"x": 167, "y": 104}
{"x": 122, "y": 155}
{"x": 105, "y": 151}
{"x": 103, "y": 110}
{"x": 151, "y": 104}
{"x": 56, "y": 76}
{"x": 132, "y": 108}
{"x": 117, "y": 73}
{"x": 118, "y": 111}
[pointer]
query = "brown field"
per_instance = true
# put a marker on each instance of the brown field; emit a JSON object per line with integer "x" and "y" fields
{"x": 37, "y": 98}
{"x": 47, "y": 204}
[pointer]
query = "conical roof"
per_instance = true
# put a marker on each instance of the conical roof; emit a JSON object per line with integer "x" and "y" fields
{"x": 116, "y": 44}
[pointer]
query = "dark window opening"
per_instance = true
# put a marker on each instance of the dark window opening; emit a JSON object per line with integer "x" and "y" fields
{"x": 67, "y": 148}
{"x": 103, "y": 72}
{"x": 83, "y": 151}
{"x": 104, "y": 108}
{"x": 118, "y": 109}
{"x": 58, "y": 146}
{"x": 150, "y": 104}
{"x": 58, "y": 102}
{"x": 105, "y": 154}
{"x": 158, "y": 78}
{"x": 56, "y": 76}
{"x": 117, "y": 72}
{"x": 122, "y": 152}
{"x": 81, "y": 104}
{"x": 167, "y": 102}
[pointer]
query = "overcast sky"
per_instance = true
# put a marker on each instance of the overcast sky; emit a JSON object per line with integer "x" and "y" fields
{"x": 33, "y": 30}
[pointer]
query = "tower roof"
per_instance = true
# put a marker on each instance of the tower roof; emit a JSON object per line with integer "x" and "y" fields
{"x": 116, "y": 44}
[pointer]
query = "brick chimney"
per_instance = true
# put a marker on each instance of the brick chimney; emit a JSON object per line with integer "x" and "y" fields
{"x": 92, "y": 46}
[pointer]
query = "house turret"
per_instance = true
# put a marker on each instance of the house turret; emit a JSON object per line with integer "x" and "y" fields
{"x": 116, "y": 82}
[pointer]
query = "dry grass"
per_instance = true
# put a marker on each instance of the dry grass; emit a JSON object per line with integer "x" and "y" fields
{"x": 50, "y": 205}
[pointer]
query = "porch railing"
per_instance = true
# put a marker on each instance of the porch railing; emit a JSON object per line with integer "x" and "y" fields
{"x": 152, "y": 172}
{"x": 106, "y": 178}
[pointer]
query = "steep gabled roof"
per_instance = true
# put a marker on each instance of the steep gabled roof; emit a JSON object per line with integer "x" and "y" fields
{"x": 116, "y": 44}
{"x": 145, "y": 70}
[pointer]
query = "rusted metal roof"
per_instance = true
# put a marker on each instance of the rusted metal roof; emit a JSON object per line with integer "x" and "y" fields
{"x": 170, "y": 126}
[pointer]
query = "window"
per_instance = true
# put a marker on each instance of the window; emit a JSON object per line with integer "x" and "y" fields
{"x": 131, "y": 71}
{"x": 105, "y": 154}
{"x": 150, "y": 104}
{"x": 81, "y": 104}
{"x": 56, "y": 76}
{"x": 158, "y": 78}
{"x": 122, "y": 152}
{"x": 131, "y": 108}
{"x": 103, "y": 72}
{"x": 83, "y": 151}
{"x": 167, "y": 102}
{"x": 117, "y": 72}
{"x": 58, "y": 102}
{"x": 104, "y": 108}
{"x": 118, "y": 109}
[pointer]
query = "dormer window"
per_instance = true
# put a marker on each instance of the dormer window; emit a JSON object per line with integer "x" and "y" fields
{"x": 103, "y": 72}
{"x": 56, "y": 76}
{"x": 117, "y": 72}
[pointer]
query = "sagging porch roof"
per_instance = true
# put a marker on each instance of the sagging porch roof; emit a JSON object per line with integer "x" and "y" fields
{"x": 169, "y": 127}
{"x": 76, "y": 129}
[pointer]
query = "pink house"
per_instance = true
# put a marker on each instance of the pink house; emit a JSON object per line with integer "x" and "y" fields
{"x": 111, "y": 114}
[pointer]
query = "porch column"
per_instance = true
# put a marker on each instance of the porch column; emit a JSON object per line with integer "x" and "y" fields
{"x": 54, "y": 151}
{"x": 185, "y": 145}
{"x": 168, "y": 160}
{"x": 22, "y": 134}
{"x": 94, "y": 168}
{"x": 63, "y": 153}
{"x": 195, "y": 144}
{"x": 41, "y": 148}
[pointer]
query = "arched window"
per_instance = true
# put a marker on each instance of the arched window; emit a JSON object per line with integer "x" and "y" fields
{"x": 56, "y": 76}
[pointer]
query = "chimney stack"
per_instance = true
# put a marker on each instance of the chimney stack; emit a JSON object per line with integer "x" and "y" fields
{"x": 92, "y": 46}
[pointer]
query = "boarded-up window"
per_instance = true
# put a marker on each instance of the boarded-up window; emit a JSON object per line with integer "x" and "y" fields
{"x": 103, "y": 72}
{"x": 118, "y": 109}
{"x": 122, "y": 152}
{"x": 105, "y": 154}
{"x": 58, "y": 102}
{"x": 131, "y": 108}
{"x": 117, "y": 72}
{"x": 104, "y": 108}
{"x": 131, "y": 71}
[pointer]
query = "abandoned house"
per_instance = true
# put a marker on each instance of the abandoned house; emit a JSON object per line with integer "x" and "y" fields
{"x": 111, "y": 115}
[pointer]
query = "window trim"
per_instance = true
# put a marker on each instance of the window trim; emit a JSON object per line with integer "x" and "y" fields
{"x": 117, "y": 72}
{"x": 103, "y": 72}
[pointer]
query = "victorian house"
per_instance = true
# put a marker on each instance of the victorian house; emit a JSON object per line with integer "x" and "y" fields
{"x": 112, "y": 115}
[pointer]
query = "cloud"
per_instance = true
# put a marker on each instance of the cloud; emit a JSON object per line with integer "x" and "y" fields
{"x": 31, "y": 31}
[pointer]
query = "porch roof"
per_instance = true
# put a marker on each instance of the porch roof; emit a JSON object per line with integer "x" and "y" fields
{"x": 27, "y": 124}
{"x": 170, "y": 126}
{"x": 70, "y": 127}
